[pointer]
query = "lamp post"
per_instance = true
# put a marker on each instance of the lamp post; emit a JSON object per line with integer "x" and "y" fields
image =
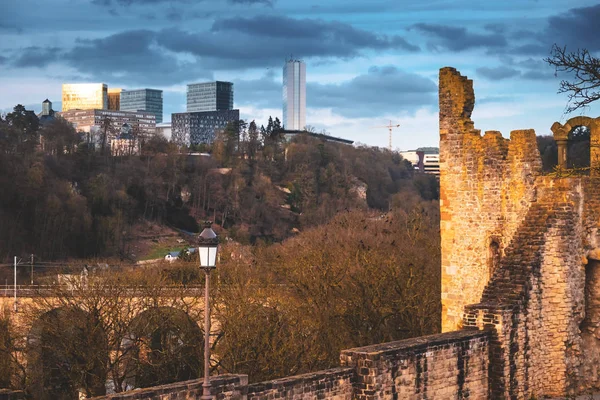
{"x": 208, "y": 244}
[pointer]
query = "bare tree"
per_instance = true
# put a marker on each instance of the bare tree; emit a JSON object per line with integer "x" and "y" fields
{"x": 583, "y": 69}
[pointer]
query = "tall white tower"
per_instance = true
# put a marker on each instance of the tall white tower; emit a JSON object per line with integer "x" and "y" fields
{"x": 294, "y": 95}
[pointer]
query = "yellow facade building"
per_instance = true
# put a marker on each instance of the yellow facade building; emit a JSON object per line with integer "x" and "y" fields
{"x": 84, "y": 96}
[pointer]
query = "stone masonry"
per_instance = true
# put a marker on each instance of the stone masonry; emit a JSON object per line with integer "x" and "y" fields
{"x": 519, "y": 251}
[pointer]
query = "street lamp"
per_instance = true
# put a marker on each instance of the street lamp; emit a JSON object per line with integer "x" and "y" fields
{"x": 208, "y": 244}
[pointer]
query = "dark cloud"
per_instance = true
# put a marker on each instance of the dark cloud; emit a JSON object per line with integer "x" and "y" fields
{"x": 496, "y": 28}
{"x": 131, "y": 56}
{"x": 173, "y": 56}
{"x": 3, "y": 60}
{"x": 322, "y": 35}
{"x": 497, "y": 73}
{"x": 241, "y": 43}
{"x": 35, "y": 56}
{"x": 266, "y": 2}
{"x": 264, "y": 92}
{"x": 108, "y": 3}
{"x": 380, "y": 91}
{"x": 578, "y": 28}
{"x": 457, "y": 38}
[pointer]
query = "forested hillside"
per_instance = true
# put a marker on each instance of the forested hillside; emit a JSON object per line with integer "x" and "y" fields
{"x": 60, "y": 199}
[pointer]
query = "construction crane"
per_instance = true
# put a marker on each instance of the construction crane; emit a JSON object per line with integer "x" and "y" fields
{"x": 390, "y": 127}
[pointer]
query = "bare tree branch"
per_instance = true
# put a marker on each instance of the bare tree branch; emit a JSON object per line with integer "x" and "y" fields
{"x": 584, "y": 70}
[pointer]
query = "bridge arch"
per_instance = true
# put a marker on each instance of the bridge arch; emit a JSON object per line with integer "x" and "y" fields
{"x": 164, "y": 345}
{"x": 67, "y": 352}
{"x": 561, "y": 136}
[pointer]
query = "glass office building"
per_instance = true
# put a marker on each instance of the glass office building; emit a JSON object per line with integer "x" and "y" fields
{"x": 114, "y": 99}
{"x": 294, "y": 95}
{"x": 209, "y": 96}
{"x": 149, "y": 100}
{"x": 84, "y": 96}
{"x": 200, "y": 127}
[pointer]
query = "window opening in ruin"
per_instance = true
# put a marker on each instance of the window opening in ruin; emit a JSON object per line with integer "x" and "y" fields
{"x": 493, "y": 256}
{"x": 578, "y": 147}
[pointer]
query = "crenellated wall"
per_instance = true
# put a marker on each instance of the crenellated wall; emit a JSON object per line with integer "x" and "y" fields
{"x": 444, "y": 366}
{"x": 516, "y": 251}
{"x": 450, "y": 365}
{"x": 486, "y": 186}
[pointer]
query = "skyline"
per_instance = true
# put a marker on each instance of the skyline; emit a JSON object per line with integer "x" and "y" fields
{"x": 368, "y": 62}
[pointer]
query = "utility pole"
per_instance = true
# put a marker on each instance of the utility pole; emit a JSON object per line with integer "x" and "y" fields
{"x": 390, "y": 127}
{"x": 15, "y": 299}
{"x": 31, "y": 262}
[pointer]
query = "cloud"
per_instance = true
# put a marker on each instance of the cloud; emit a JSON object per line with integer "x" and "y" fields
{"x": 266, "y": 2}
{"x": 332, "y": 33}
{"x": 578, "y": 28}
{"x": 126, "y": 3}
{"x": 457, "y": 38}
{"x": 35, "y": 56}
{"x": 174, "y": 55}
{"x": 131, "y": 56}
{"x": 497, "y": 73}
{"x": 264, "y": 92}
{"x": 382, "y": 90}
{"x": 241, "y": 43}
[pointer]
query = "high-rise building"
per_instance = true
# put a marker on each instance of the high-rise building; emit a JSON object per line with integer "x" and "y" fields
{"x": 209, "y": 96}
{"x": 200, "y": 127}
{"x": 84, "y": 96}
{"x": 149, "y": 100}
{"x": 114, "y": 99}
{"x": 294, "y": 95}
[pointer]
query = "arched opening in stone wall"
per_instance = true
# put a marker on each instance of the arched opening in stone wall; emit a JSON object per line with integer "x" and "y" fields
{"x": 578, "y": 147}
{"x": 66, "y": 355}
{"x": 578, "y": 142}
{"x": 164, "y": 345}
{"x": 493, "y": 257}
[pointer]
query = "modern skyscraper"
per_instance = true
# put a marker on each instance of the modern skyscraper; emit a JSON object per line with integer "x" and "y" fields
{"x": 200, "y": 127}
{"x": 294, "y": 95}
{"x": 209, "y": 96}
{"x": 149, "y": 100}
{"x": 84, "y": 96}
{"x": 114, "y": 99}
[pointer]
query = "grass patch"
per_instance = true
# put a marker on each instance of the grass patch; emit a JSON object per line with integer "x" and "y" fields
{"x": 160, "y": 251}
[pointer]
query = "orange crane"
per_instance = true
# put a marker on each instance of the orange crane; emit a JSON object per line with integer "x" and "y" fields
{"x": 390, "y": 127}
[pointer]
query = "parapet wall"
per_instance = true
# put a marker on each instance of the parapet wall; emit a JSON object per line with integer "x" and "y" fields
{"x": 224, "y": 387}
{"x": 450, "y": 365}
{"x": 330, "y": 384}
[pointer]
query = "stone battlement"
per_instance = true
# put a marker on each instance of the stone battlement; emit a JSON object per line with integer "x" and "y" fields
{"x": 443, "y": 366}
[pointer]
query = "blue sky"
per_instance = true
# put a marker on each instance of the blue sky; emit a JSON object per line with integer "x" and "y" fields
{"x": 368, "y": 61}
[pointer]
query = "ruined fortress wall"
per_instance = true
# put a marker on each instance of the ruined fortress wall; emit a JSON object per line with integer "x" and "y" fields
{"x": 444, "y": 366}
{"x": 335, "y": 384}
{"x": 534, "y": 302}
{"x": 486, "y": 186}
{"x": 224, "y": 387}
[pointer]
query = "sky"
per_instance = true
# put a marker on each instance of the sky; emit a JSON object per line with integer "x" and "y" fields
{"x": 368, "y": 62}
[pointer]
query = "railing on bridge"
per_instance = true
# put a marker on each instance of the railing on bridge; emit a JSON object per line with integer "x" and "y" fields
{"x": 44, "y": 290}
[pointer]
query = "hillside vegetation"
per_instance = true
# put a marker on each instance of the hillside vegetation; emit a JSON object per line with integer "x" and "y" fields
{"x": 61, "y": 199}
